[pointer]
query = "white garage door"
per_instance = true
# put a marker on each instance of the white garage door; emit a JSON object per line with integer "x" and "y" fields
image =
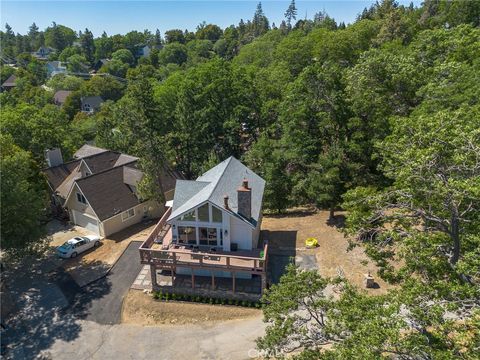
{"x": 85, "y": 221}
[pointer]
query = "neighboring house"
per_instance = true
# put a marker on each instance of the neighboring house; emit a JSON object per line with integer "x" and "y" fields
{"x": 98, "y": 64}
{"x": 143, "y": 50}
{"x": 55, "y": 68}
{"x": 60, "y": 97}
{"x": 43, "y": 52}
{"x": 98, "y": 189}
{"x": 10, "y": 83}
{"x": 90, "y": 104}
{"x": 212, "y": 229}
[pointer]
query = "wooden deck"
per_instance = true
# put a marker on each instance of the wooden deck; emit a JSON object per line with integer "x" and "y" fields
{"x": 159, "y": 252}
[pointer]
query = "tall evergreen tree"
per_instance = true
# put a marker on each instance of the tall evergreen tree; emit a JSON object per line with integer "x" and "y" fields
{"x": 88, "y": 45}
{"x": 259, "y": 22}
{"x": 291, "y": 14}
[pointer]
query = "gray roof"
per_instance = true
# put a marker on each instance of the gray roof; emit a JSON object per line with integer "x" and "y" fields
{"x": 87, "y": 150}
{"x": 61, "y": 96}
{"x": 212, "y": 186}
{"x": 94, "y": 101}
{"x": 10, "y": 82}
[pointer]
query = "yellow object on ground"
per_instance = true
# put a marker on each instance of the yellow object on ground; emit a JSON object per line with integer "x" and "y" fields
{"x": 311, "y": 242}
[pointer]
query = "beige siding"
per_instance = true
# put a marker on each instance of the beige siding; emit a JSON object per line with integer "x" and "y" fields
{"x": 73, "y": 204}
{"x": 115, "y": 223}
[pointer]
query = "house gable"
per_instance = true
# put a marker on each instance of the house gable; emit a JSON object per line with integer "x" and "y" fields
{"x": 72, "y": 202}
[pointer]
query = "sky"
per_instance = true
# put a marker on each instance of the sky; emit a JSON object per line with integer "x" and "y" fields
{"x": 119, "y": 17}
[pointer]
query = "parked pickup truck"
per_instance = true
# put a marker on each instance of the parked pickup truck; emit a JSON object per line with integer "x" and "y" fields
{"x": 77, "y": 245}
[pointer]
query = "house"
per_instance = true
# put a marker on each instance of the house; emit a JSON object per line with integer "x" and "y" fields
{"x": 99, "y": 64}
{"x": 43, "y": 52}
{"x": 211, "y": 231}
{"x": 10, "y": 83}
{"x": 60, "y": 97}
{"x": 143, "y": 50}
{"x": 90, "y": 104}
{"x": 98, "y": 189}
{"x": 55, "y": 67}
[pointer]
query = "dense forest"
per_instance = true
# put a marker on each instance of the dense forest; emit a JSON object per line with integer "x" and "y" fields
{"x": 380, "y": 117}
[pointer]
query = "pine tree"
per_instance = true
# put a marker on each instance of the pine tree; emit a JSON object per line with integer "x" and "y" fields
{"x": 33, "y": 34}
{"x": 291, "y": 14}
{"x": 158, "y": 38}
{"x": 259, "y": 22}
{"x": 88, "y": 45}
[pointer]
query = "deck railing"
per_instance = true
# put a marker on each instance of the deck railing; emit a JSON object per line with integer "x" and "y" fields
{"x": 171, "y": 258}
{"x": 147, "y": 244}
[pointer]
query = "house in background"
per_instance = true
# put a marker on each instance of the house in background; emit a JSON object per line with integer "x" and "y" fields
{"x": 98, "y": 64}
{"x": 211, "y": 234}
{"x": 55, "y": 68}
{"x": 90, "y": 104}
{"x": 43, "y": 52}
{"x": 10, "y": 83}
{"x": 142, "y": 51}
{"x": 60, "y": 97}
{"x": 98, "y": 189}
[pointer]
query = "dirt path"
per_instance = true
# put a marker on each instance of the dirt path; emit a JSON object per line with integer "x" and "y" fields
{"x": 141, "y": 309}
{"x": 290, "y": 231}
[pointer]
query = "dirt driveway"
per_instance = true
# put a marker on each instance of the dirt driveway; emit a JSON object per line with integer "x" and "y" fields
{"x": 95, "y": 263}
{"x": 140, "y": 308}
{"x": 287, "y": 237}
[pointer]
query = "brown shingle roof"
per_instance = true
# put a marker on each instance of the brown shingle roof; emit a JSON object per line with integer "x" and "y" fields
{"x": 103, "y": 161}
{"x": 56, "y": 175}
{"x": 107, "y": 194}
{"x": 10, "y": 82}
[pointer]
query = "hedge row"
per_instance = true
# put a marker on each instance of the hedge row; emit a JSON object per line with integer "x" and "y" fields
{"x": 158, "y": 295}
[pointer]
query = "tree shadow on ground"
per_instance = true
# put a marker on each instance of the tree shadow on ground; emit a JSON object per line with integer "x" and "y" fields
{"x": 337, "y": 221}
{"x": 281, "y": 252}
{"x": 48, "y": 307}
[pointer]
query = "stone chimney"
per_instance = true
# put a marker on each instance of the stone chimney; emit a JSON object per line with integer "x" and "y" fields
{"x": 225, "y": 202}
{"x": 53, "y": 157}
{"x": 244, "y": 200}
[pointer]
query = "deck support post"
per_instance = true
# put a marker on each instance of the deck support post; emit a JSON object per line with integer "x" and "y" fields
{"x": 213, "y": 281}
{"x": 233, "y": 281}
{"x": 153, "y": 277}
{"x": 263, "y": 283}
{"x": 173, "y": 277}
{"x": 193, "y": 279}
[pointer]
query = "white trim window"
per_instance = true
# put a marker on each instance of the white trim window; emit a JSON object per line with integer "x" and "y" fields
{"x": 81, "y": 198}
{"x": 128, "y": 214}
